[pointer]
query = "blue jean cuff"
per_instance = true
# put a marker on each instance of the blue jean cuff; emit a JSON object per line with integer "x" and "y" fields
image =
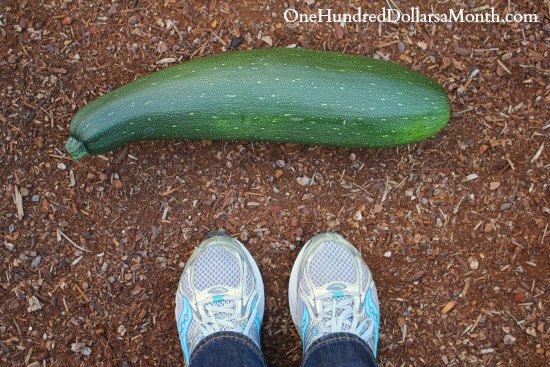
{"x": 239, "y": 339}
{"x": 329, "y": 340}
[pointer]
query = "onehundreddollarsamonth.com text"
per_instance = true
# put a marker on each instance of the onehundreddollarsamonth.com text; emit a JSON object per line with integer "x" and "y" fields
{"x": 414, "y": 15}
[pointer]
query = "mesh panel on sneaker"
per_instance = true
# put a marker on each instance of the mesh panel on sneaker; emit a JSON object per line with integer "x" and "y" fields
{"x": 365, "y": 274}
{"x": 216, "y": 266}
{"x": 305, "y": 286}
{"x": 299, "y": 309}
{"x": 249, "y": 281}
{"x": 179, "y": 307}
{"x": 333, "y": 263}
{"x": 186, "y": 287}
{"x": 374, "y": 295}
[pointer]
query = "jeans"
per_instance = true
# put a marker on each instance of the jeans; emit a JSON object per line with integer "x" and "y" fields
{"x": 230, "y": 349}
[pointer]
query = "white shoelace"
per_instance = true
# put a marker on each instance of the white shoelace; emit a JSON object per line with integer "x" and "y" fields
{"x": 338, "y": 316}
{"x": 222, "y": 316}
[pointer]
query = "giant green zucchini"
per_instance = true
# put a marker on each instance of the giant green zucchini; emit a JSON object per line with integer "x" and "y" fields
{"x": 279, "y": 95}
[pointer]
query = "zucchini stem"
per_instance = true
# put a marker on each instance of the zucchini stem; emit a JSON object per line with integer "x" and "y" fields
{"x": 76, "y": 148}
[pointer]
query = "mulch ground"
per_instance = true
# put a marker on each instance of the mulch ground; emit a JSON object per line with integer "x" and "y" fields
{"x": 455, "y": 228}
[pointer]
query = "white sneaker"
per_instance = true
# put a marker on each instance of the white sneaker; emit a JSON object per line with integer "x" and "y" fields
{"x": 220, "y": 289}
{"x": 331, "y": 290}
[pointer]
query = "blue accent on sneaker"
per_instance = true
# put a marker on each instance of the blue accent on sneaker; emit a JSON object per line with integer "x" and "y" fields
{"x": 374, "y": 314}
{"x": 218, "y": 298}
{"x": 305, "y": 322}
{"x": 183, "y": 326}
{"x": 257, "y": 320}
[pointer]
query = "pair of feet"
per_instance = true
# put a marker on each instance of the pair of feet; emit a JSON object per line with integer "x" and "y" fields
{"x": 331, "y": 290}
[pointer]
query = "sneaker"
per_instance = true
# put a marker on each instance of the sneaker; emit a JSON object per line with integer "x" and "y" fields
{"x": 331, "y": 290}
{"x": 220, "y": 289}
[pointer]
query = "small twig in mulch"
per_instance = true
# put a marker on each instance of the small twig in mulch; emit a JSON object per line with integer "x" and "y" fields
{"x": 61, "y": 234}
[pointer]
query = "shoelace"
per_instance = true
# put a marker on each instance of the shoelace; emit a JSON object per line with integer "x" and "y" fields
{"x": 344, "y": 320}
{"x": 222, "y": 316}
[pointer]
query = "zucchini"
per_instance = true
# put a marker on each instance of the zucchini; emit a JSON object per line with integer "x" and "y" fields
{"x": 280, "y": 95}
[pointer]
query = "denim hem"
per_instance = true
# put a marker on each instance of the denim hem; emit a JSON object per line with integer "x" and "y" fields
{"x": 228, "y": 336}
{"x": 328, "y": 340}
